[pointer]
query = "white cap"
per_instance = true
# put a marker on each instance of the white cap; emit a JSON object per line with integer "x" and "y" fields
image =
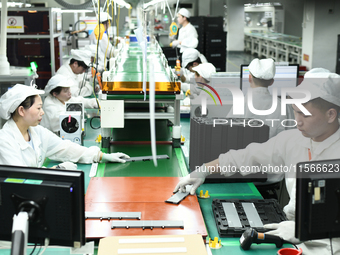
{"x": 57, "y": 80}
{"x": 184, "y": 12}
{"x": 81, "y": 55}
{"x": 92, "y": 49}
{"x": 263, "y": 20}
{"x": 326, "y": 87}
{"x": 317, "y": 73}
{"x": 189, "y": 55}
{"x": 262, "y": 69}
{"x": 104, "y": 17}
{"x": 205, "y": 70}
{"x": 10, "y": 101}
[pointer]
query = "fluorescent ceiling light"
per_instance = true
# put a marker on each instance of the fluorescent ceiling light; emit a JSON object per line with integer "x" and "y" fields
{"x": 122, "y": 3}
{"x": 262, "y": 4}
{"x": 153, "y": 2}
{"x": 76, "y": 11}
{"x": 16, "y": 4}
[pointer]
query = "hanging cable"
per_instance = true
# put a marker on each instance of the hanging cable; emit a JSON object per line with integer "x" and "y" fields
{"x": 96, "y": 58}
{"x": 47, "y": 242}
{"x": 330, "y": 241}
{"x": 117, "y": 24}
{"x": 108, "y": 36}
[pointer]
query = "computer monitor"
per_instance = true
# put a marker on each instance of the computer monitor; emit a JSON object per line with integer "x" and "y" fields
{"x": 317, "y": 213}
{"x": 54, "y": 198}
{"x": 285, "y": 76}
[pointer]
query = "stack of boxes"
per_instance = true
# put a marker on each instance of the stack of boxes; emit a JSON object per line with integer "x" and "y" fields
{"x": 170, "y": 55}
{"x": 212, "y": 40}
{"x": 198, "y": 23}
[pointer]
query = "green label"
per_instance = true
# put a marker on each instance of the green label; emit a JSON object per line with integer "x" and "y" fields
{"x": 14, "y": 180}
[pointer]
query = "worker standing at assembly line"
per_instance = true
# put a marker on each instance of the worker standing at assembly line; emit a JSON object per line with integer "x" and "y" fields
{"x": 105, "y": 48}
{"x": 187, "y": 34}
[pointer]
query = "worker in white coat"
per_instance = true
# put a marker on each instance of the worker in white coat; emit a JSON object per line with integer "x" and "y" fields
{"x": 105, "y": 48}
{"x": 25, "y": 143}
{"x": 261, "y": 76}
{"x": 190, "y": 58}
{"x": 57, "y": 93}
{"x": 317, "y": 137}
{"x": 203, "y": 74}
{"x": 74, "y": 71}
{"x": 187, "y": 34}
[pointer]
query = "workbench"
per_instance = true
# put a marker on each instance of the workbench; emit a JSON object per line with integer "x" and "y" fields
{"x": 175, "y": 166}
{"x": 280, "y": 47}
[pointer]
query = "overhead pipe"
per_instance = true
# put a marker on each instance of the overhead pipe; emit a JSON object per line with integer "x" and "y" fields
{"x": 4, "y": 64}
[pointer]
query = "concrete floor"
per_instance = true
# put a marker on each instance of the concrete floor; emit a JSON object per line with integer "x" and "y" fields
{"x": 236, "y": 59}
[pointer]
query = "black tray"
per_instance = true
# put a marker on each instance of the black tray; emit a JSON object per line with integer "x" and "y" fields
{"x": 269, "y": 211}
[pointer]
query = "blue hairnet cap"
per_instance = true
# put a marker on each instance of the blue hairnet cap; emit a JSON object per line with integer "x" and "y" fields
{"x": 10, "y": 101}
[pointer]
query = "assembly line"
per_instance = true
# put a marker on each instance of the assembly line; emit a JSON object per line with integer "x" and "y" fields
{"x": 172, "y": 152}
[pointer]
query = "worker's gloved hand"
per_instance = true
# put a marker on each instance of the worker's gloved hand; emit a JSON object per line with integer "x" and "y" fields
{"x": 115, "y": 157}
{"x": 172, "y": 37}
{"x": 97, "y": 88}
{"x": 67, "y": 166}
{"x": 284, "y": 229}
{"x": 195, "y": 178}
{"x": 180, "y": 72}
{"x": 94, "y": 104}
{"x": 174, "y": 44}
{"x": 187, "y": 93}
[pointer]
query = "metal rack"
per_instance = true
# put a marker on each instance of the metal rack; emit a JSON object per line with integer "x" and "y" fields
{"x": 278, "y": 46}
{"x": 37, "y": 18}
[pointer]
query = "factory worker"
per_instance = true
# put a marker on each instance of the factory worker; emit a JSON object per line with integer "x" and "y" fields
{"x": 57, "y": 93}
{"x": 261, "y": 76}
{"x": 190, "y": 58}
{"x": 187, "y": 34}
{"x": 203, "y": 74}
{"x": 25, "y": 143}
{"x": 74, "y": 71}
{"x": 317, "y": 72}
{"x": 105, "y": 47}
{"x": 317, "y": 137}
{"x": 93, "y": 52}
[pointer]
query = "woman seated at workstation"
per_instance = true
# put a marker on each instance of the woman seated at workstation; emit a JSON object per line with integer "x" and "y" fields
{"x": 26, "y": 143}
{"x": 57, "y": 93}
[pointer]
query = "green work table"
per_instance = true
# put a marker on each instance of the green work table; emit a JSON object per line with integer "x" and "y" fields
{"x": 230, "y": 245}
{"x": 174, "y": 166}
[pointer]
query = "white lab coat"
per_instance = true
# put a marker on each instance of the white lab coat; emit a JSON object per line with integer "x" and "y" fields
{"x": 53, "y": 107}
{"x": 75, "y": 81}
{"x": 288, "y": 148}
{"x": 188, "y": 36}
{"x": 188, "y": 76}
{"x": 14, "y": 150}
{"x": 104, "y": 46}
{"x": 263, "y": 100}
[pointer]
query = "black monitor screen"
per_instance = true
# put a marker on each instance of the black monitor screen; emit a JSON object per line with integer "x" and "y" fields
{"x": 317, "y": 200}
{"x": 285, "y": 76}
{"x": 58, "y": 198}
